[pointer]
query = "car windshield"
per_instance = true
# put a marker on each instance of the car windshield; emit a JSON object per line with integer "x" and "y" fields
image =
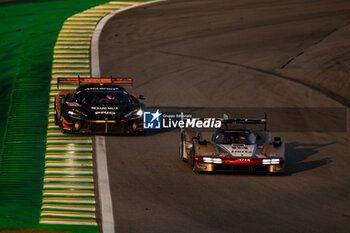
{"x": 102, "y": 97}
{"x": 235, "y": 137}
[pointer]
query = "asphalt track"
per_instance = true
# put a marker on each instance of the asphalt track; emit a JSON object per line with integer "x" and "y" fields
{"x": 228, "y": 53}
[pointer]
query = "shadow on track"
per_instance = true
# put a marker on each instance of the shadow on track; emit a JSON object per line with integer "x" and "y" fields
{"x": 297, "y": 153}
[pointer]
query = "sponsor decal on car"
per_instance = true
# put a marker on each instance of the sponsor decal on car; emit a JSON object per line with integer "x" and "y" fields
{"x": 102, "y": 89}
{"x": 104, "y": 108}
{"x": 243, "y": 159}
{"x": 105, "y": 113}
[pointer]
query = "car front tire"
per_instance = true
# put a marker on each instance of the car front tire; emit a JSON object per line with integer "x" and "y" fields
{"x": 57, "y": 122}
{"x": 181, "y": 149}
{"x": 193, "y": 159}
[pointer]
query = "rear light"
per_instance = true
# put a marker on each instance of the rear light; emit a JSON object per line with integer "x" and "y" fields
{"x": 198, "y": 158}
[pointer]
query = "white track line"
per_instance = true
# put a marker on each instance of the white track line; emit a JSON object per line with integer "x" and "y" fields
{"x": 103, "y": 185}
{"x": 108, "y": 225}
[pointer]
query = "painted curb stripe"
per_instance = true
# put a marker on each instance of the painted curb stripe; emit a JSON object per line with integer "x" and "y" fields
{"x": 44, "y": 221}
{"x": 68, "y": 180}
{"x": 68, "y": 207}
{"x": 68, "y": 214}
{"x": 68, "y": 185}
{"x": 66, "y": 172}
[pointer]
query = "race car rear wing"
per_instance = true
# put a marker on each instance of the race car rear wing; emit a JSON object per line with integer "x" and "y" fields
{"x": 226, "y": 120}
{"x": 118, "y": 80}
{"x": 262, "y": 121}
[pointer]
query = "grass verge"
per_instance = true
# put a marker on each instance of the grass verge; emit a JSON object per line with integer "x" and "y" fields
{"x": 28, "y": 32}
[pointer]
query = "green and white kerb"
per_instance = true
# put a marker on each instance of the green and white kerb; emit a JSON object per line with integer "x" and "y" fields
{"x": 68, "y": 192}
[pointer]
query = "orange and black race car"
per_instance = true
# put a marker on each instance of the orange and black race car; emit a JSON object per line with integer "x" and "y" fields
{"x": 98, "y": 105}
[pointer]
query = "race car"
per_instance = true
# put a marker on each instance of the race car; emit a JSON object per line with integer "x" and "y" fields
{"x": 234, "y": 147}
{"x": 98, "y": 105}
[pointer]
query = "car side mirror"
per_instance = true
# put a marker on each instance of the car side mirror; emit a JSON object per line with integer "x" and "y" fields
{"x": 277, "y": 141}
{"x": 141, "y": 97}
{"x": 204, "y": 142}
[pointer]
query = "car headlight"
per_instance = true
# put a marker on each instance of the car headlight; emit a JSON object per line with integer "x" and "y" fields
{"x": 139, "y": 113}
{"x": 134, "y": 114}
{"x": 270, "y": 161}
{"x": 76, "y": 115}
{"x": 212, "y": 160}
{"x": 72, "y": 113}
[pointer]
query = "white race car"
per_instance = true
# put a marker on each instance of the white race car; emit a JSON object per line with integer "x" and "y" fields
{"x": 234, "y": 147}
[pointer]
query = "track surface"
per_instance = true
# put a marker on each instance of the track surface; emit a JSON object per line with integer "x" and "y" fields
{"x": 229, "y": 54}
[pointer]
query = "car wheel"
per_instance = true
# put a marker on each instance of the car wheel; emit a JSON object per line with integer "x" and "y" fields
{"x": 57, "y": 122}
{"x": 193, "y": 158}
{"x": 61, "y": 126}
{"x": 181, "y": 149}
